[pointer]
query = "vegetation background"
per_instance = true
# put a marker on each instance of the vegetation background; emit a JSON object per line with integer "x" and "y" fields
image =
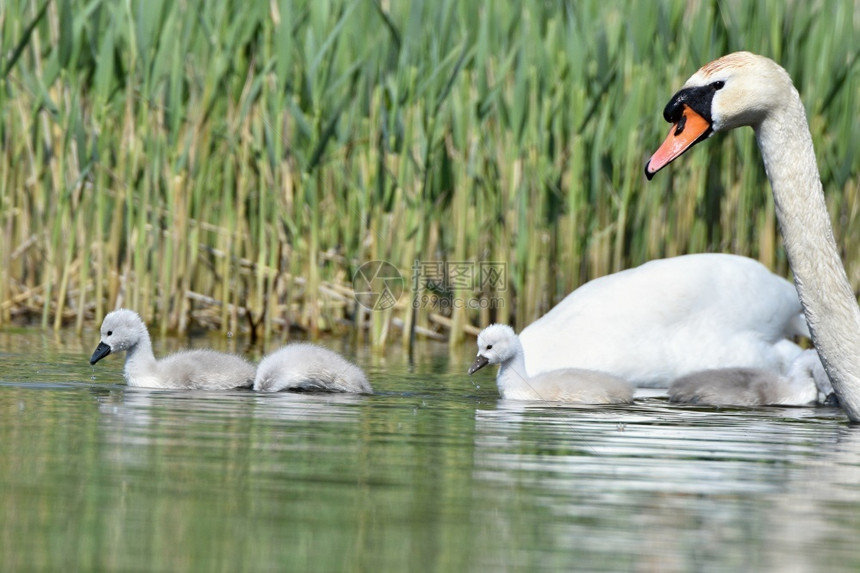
{"x": 232, "y": 163}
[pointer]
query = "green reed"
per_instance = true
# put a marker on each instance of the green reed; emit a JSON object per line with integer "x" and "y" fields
{"x": 232, "y": 164}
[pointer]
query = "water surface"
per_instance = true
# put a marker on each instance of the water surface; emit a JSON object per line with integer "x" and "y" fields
{"x": 433, "y": 473}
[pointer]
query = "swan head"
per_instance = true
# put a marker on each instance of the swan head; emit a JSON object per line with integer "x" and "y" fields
{"x": 121, "y": 329}
{"x": 736, "y": 90}
{"x": 497, "y": 344}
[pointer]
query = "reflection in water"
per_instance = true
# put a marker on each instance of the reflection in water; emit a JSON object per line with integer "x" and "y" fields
{"x": 654, "y": 487}
{"x": 817, "y": 520}
{"x": 431, "y": 473}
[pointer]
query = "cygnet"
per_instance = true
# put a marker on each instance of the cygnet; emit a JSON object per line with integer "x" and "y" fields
{"x": 805, "y": 384}
{"x": 499, "y": 344}
{"x": 304, "y": 367}
{"x": 124, "y": 330}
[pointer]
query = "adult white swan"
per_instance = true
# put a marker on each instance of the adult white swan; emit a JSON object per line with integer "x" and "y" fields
{"x": 746, "y": 89}
{"x": 669, "y": 317}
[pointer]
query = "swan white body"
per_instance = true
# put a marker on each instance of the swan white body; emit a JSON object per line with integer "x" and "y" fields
{"x": 744, "y": 89}
{"x": 669, "y": 317}
{"x": 124, "y": 330}
{"x": 309, "y": 368}
{"x": 499, "y": 344}
{"x": 805, "y": 384}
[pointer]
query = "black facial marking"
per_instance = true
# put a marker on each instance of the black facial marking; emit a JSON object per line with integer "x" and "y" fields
{"x": 679, "y": 128}
{"x": 698, "y": 99}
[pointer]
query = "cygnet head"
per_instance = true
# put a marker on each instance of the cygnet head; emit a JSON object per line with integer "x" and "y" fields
{"x": 497, "y": 344}
{"x": 121, "y": 330}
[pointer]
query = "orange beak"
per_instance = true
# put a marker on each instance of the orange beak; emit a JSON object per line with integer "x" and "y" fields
{"x": 688, "y": 131}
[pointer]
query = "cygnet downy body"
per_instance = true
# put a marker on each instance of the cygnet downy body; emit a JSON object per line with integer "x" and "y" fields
{"x": 304, "y": 367}
{"x": 805, "y": 384}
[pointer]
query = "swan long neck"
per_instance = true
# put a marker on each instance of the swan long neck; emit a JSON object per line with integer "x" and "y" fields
{"x": 140, "y": 360}
{"x": 825, "y": 293}
{"x": 512, "y": 372}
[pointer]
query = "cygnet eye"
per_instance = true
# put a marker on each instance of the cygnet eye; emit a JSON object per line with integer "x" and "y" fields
{"x": 109, "y": 332}
{"x": 489, "y": 347}
{"x": 718, "y": 85}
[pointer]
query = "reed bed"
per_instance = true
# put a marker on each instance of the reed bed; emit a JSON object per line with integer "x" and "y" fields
{"x": 233, "y": 164}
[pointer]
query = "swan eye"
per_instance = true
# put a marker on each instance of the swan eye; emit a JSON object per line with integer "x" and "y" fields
{"x": 718, "y": 85}
{"x": 489, "y": 347}
{"x": 109, "y": 332}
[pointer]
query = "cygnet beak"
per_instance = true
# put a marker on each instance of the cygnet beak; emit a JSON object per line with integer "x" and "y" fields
{"x": 479, "y": 363}
{"x": 102, "y": 350}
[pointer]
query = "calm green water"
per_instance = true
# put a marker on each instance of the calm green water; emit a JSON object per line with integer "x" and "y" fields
{"x": 431, "y": 474}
